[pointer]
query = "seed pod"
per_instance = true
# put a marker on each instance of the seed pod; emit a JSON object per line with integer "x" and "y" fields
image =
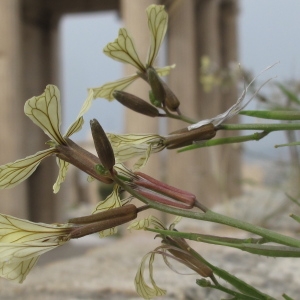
{"x": 136, "y": 104}
{"x": 102, "y": 145}
{"x": 156, "y": 86}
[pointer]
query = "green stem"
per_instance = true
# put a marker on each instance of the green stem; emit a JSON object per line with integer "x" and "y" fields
{"x": 247, "y": 245}
{"x": 265, "y": 127}
{"x": 228, "y": 140}
{"x": 211, "y": 216}
{"x": 179, "y": 117}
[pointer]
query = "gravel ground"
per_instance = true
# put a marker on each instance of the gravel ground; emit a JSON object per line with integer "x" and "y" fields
{"x": 91, "y": 269}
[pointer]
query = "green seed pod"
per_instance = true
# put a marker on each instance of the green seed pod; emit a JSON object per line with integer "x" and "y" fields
{"x": 156, "y": 86}
{"x": 136, "y": 104}
{"x": 102, "y": 145}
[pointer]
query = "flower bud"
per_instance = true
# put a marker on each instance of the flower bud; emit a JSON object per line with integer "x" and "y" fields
{"x": 103, "y": 220}
{"x": 136, "y": 104}
{"x": 171, "y": 100}
{"x": 102, "y": 145}
{"x": 156, "y": 86}
{"x": 185, "y": 137}
{"x": 158, "y": 191}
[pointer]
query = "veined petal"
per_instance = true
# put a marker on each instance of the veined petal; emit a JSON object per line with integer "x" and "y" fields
{"x": 157, "y": 23}
{"x": 142, "y": 288}
{"x": 106, "y": 91}
{"x": 45, "y": 112}
{"x": 123, "y": 50}
{"x": 127, "y": 146}
{"x": 142, "y": 161}
{"x": 19, "y": 231}
{"x": 63, "y": 168}
{"x": 13, "y": 173}
{"x": 15, "y": 252}
{"x": 165, "y": 70}
{"x": 112, "y": 201}
{"x": 77, "y": 125}
{"x": 18, "y": 270}
{"x": 145, "y": 223}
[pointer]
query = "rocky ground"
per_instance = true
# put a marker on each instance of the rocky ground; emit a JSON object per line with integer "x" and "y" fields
{"x": 104, "y": 269}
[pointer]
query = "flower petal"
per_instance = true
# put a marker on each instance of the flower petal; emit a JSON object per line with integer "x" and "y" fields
{"x": 17, "y": 271}
{"x": 13, "y": 252}
{"x": 19, "y": 231}
{"x": 106, "y": 91}
{"x": 123, "y": 50}
{"x": 145, "y": 223}
{"x": 13, "y": 173}
{"x": 127, "y": 146}
{"x": 142, "y": 288}
{"x": 77, "y": 125}
{"x": 157, "y": 23}
{"x": 45, "y": 112}
{"x": 63, "y": 167}
{"x": 165, "y": 70}
{"x": 112, "y": 201}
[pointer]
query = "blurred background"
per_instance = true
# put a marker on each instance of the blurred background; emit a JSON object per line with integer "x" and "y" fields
{"x": 61, "y": 42}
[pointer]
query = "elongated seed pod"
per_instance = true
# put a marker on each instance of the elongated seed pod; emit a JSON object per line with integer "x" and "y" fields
{"x": 102, "y": 145}
{"x": 136, "y": 104}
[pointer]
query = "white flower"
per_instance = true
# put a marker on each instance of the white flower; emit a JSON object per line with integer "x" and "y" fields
{"x": 22, "y": 242}
{"x": 123, "y": 50}
{"x": 45, "y": 112}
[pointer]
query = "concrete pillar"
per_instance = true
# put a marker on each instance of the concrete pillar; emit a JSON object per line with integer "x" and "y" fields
{"x": 38, "y": 36}
{"x": 231, "y": 154}
{"x": 12, "y": 201}
{"x": 194, "y": 31}
{"x": 133, "y": 13}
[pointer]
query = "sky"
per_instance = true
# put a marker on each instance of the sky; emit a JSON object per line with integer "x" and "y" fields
{"x": 268, "y": 33}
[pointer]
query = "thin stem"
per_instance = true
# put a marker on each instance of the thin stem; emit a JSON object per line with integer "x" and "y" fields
{"x": 179, "y": 117}
{"x": 228, "y": 140}
{"x": 211, "y": 216}
{"x": 265, "y": 127}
